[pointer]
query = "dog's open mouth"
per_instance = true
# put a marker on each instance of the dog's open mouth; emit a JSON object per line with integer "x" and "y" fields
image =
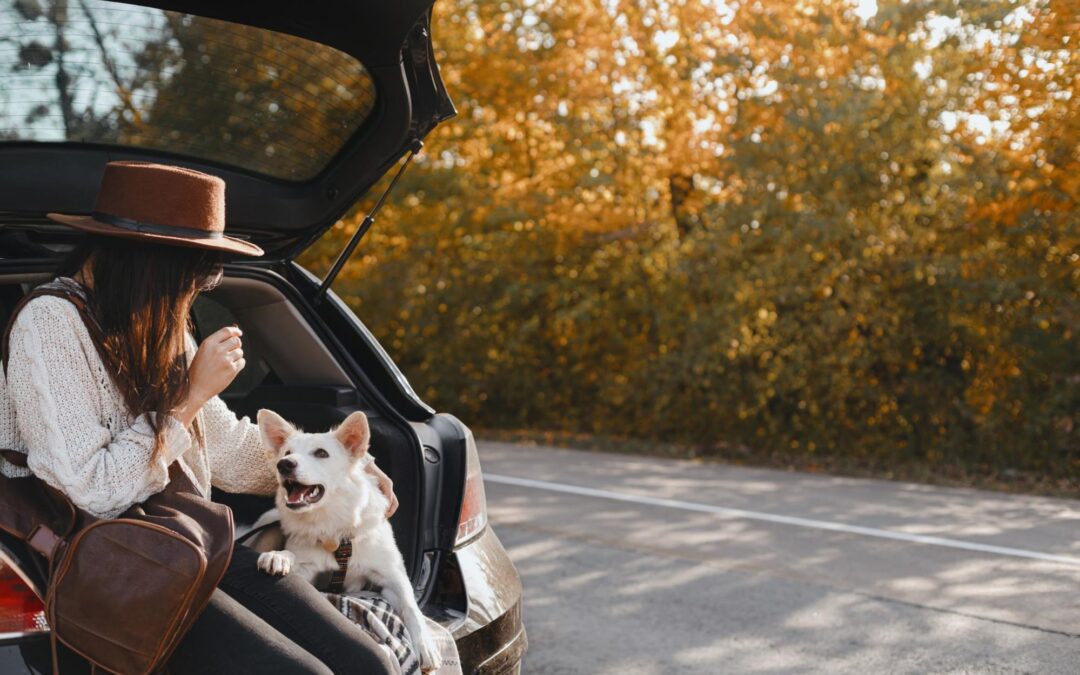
{"x": 298, "y": 495}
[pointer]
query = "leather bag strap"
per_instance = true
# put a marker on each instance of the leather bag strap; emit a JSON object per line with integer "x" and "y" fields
{"x": 56, "y": 290}
{"x": 40, "y": 529}
{"x": 15, "y": 457}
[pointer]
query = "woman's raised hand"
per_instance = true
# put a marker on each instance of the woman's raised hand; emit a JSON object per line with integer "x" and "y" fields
{"x": 219, "y": 359}
{"x": 386, "y": 486}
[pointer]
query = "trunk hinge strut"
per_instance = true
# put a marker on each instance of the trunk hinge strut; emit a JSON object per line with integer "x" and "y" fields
{"x": 416, "y": 146}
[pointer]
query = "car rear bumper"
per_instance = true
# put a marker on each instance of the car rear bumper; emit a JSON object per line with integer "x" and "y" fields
{"x": 491, "y": 636}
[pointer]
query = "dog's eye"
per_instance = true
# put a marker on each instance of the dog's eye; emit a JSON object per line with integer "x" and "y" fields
{"x": 321, "y": 454}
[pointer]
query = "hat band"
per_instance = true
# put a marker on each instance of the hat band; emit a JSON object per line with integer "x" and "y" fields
{"x": 154, "y": 228}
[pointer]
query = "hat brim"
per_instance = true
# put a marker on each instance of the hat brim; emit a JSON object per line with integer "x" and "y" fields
{"x": 223, "y": 243}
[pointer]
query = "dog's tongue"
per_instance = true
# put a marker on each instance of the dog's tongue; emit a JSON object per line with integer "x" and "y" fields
{"x": 299, "y": 494}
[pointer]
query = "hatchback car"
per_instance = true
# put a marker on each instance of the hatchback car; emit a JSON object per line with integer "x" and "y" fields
{"x": 301, "y": 108}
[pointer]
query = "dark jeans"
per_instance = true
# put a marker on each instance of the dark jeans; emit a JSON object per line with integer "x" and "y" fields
{"x": 257, "y": 623}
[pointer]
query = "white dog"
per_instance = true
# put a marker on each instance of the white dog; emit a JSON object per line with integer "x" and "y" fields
{"x": 325, "y": 496}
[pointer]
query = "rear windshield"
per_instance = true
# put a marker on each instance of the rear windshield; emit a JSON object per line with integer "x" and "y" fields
{"x": 105, "y": 72}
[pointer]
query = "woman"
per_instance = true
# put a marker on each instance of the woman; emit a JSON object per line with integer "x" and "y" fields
{"x": 105, "y": 427}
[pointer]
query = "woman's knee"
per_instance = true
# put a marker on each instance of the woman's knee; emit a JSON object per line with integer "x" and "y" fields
{"x": 228, "y": 638}
{"x": 363, "y": 655}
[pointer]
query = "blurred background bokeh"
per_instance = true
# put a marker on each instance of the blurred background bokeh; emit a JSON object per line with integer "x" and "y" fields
{"x": 813, "y": 232}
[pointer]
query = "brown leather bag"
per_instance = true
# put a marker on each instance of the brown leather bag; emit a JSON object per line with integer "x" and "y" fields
{"x": 121, "y": 591}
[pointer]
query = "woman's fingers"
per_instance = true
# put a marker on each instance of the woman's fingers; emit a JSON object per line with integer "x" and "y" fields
{"x": 218, "y": 360}
{"x": 230, "y": 348}
{"x": 386, "y": 486}
{"x": 226, "y": 333}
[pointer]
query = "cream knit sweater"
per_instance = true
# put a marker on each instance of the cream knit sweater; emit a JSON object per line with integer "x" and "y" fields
{"x": 60, "y": 406}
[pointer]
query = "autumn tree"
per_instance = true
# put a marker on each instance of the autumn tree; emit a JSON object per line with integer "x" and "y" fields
{"x": 803, "y": 227}
{"x": 787, "y": 225}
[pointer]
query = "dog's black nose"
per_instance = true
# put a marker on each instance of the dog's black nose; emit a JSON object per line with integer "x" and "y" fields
{"x": 286, "y": 466}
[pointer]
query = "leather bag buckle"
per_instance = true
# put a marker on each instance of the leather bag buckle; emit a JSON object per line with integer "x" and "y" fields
{"x": 43, "y": 540}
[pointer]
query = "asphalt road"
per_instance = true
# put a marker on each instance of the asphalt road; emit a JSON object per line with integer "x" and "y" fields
{"x": 640, "y": 565}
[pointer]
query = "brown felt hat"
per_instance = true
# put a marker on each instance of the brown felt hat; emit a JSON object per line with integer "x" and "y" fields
{"x": 160, "y": 203}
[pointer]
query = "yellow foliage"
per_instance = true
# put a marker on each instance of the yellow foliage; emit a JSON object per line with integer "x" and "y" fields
{"x": 772, "y": 223}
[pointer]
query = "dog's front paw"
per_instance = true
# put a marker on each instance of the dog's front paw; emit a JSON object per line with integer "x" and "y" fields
{"x": 428, "y": 650}
{"x": 278, "y": 563}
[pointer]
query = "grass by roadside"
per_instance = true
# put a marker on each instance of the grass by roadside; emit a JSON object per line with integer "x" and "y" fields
{"x": 942, "y": 473}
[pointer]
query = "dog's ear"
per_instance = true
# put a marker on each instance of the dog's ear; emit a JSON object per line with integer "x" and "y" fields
{"x": 354, "y": 433}
{"x": 274, "y": 429}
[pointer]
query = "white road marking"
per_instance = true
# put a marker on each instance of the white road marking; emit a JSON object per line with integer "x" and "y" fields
{"x": 781, "y": 519}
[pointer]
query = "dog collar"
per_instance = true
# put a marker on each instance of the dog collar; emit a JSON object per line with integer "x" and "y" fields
{"x": 342, "y": 552}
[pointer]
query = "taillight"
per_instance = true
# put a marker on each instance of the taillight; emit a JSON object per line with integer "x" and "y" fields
{"x": 21, "y": 611}
{"x": 473, "y": 516}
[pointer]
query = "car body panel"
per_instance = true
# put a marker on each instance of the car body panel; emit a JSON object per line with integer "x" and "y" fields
{"x": 485, "y": 618}
{"x": 491, "y": 637}
{"x": 393, "y": 41}
{"x": 361, "y": 345}
{"x": 282, "y": 216}
{"x": 370, "y": 30}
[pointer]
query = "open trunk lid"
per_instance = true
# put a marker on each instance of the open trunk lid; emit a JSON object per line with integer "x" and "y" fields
{"x": 300, "y": 107}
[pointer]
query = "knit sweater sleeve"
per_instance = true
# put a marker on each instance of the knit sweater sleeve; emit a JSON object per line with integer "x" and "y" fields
{"x": 56, "y": 383}
{"x": 9, "y": 435}
{"x": 238, "y": 462}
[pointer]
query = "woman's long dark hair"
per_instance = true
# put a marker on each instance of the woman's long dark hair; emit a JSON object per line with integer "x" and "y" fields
{"x": 142, "y": 296}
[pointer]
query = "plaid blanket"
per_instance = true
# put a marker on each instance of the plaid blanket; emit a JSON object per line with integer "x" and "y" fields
{"x": 372, "y": 613}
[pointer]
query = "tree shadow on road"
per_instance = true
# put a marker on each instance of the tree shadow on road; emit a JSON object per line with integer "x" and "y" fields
{"x": 623, "y": 588}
